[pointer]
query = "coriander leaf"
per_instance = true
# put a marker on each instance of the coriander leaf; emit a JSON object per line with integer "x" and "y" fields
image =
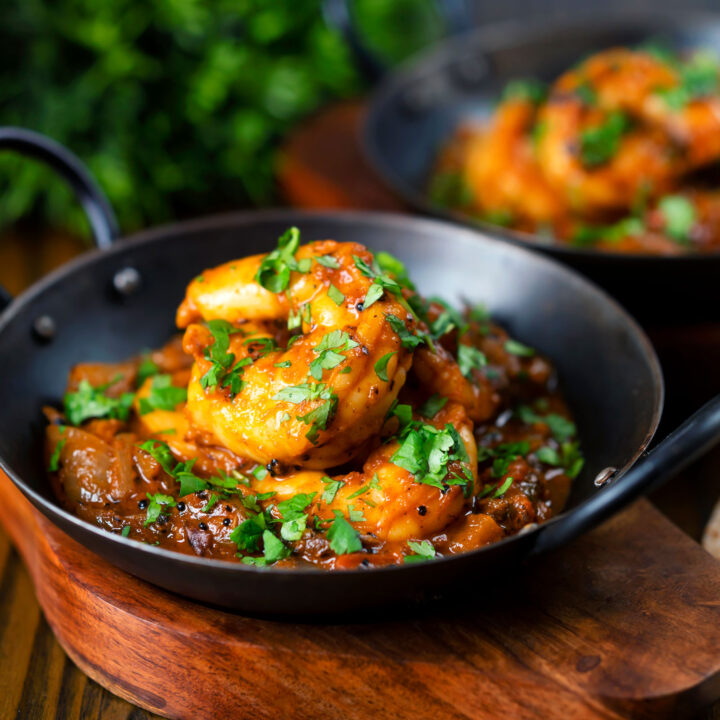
{"x": 335, "y": 295}
{"x": 189, "y": 482}
{"x": 319, "y": 418}
{"x": 247, "y": 535}
{"x": 331, "y": 489}
{"x": 408, "y": 339}
{"x": 54, "y": 463}
{"x": 469, "y": 359}
{"x": 389, "y": 264}
{"x": 422, "y": 551}
{"x": 260, "y": 472}
{"x": 328, "y": 261}
{"x": 160, "y": 451}
{"x": 679, "y": 217}
{"x": 90, "y": 402}
{"x": 517, "y": 348}
{"x": 374, "y": 293}
{"x": 499, "y": 492}
{"x": 433, "y": 405}
{"x": 274, "y": 271}
{"x": 147, "y": 368}
{"x": 157, "y": 505}
{"x": 381, "y": 366}
{"x": 561, "y": 428}
{"x": 599, "y": 144}
{"x": 295, "y": 506}
{"x": 125, "y": 531}
{"x": 273, "y": 548}
{"x": 214, "y": 497}
{"x": 343, "y": 537}
{"x": 529, "y": 90}
{"x": 163, "y": 395}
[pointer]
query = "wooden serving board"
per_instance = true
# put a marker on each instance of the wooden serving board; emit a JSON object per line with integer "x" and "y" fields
{"x": 623, "y": 623}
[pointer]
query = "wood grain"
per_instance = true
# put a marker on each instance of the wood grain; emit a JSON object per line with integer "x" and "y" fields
{"x": 625, "y": 623}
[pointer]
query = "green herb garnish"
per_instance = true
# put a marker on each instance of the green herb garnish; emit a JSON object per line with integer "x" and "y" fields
{"x": 381, "y": 366}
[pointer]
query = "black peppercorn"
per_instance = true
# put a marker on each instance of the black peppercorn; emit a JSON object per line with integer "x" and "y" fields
{"x": 143, "y": 504}
{"x": 359, "y": 307}
{"x": 181, "y": 506}
{"x": 422, "y": 510}
{"x": 226, "y": 522}
{"x": 203, "y": 526}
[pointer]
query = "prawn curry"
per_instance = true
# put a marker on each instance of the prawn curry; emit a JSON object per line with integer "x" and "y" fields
{"x": 619, "y": 154}
{"x": 316, "y": 411}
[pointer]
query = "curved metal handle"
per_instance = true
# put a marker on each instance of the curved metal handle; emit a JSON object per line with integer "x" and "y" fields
{"x": 102, "y": 220}
{"x": 693, "y": 438}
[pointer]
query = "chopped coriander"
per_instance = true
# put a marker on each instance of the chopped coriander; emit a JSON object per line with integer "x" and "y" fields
{"x": 273, "y": 548}
{"x": 158, "y": 503}
{"x": 407, "y": 339}
{"x": 297, "y": 318}
{"x": 469, "y": 359}
{"x": 449, "y": 189}
{"x": 331, "y": 489}
{"x": 54, "y": 464}
{"x": 91, "y": 402}
{"x": 381, "y": 366}
{"x": 499, "y": 492}
{"x": 214, "y": 497}
{"x": 328, "y": 261}
{"x": 125, "y": 531}
{"x": 347, "y": 369}
{"x": 247, "y": 535}
{"x": 335, "y": 295}
{"x": 383, "y": 280}
{"x": 529, "y": 90}
{"x": 163, "y": 395}
{"x": 426, "y": 452}
{"x": 503, "y": 455}
{"x": 599, "y": 144}
{"x": 260, "y": 472}
{"x": 422, "y": 551}
{"x": 586, "y": 93}
{"x": 189, "y": 482}
{"x": 433, "y": 405}
{"x": 284, "y": 417}
{"x": 329, "y": 351}
{"x": 569, "y": 458}
{"x": 402, "y": 412}
{"x": 274, "y": 271}
{"x": 160, "y": 451}
{"x": 294, "y": 516}
{"x": 343, "y": 537}
{"x": 283, "y": 364}
{"x": 147, "y": 368}
{"x": 219, "y": 355}
{"x": 517, "y": 348}
{"x": 679, "y": 217}
{"x": 319, "y": 418}
{"x": 253, "y": 500}
{"x": 355, "y": 515}
{"x": 261, "y": 345}
{"x": 391, "y": 265}
{"x": 374, "y": 293}
{"x": 561, "y": 428}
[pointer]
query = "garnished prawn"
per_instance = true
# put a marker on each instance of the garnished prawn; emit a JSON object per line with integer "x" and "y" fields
{"x": 610, "y": 134}
{"x": 401, "y": 493}
{"x": 308, "y": 400}
{"x": 502, "y": 172}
